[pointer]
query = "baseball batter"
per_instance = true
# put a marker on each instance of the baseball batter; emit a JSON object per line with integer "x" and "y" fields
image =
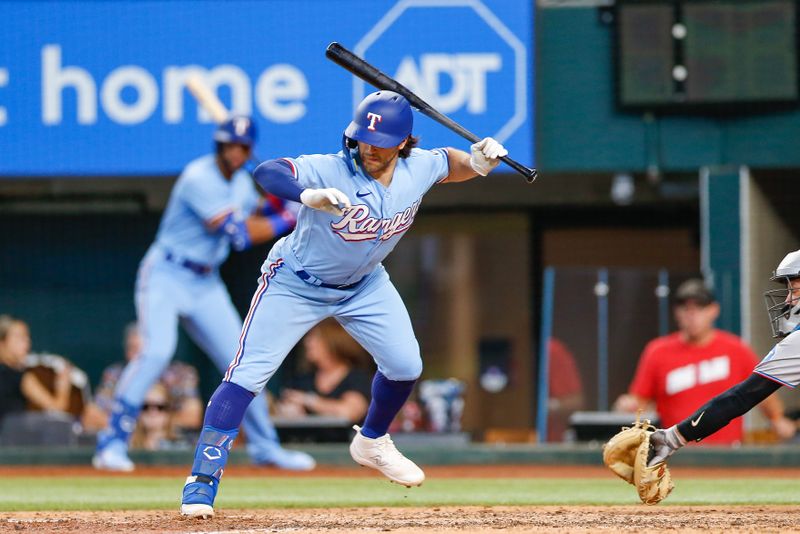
{"x": 213, "y": 207}
{"x": 781, "y": 367}
{"x": 357, "y": 204}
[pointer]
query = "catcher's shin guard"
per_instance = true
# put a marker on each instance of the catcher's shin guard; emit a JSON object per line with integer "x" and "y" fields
{"x": 210, "y": 458}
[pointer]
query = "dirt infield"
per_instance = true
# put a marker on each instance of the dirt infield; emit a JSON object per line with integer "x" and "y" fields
{"x": 461, "y": 520}
{"x": 438, "y": 519}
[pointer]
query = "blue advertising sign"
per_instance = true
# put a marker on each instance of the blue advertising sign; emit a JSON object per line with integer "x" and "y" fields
{"x": 99, "y": 88}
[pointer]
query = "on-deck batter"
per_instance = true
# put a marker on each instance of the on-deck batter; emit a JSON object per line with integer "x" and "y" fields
{"x": 214, "y": 206}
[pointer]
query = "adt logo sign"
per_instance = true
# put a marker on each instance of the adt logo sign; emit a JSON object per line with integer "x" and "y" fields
{"x": 458, "y": 56}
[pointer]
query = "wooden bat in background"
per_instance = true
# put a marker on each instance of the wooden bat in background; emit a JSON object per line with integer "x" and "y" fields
{"x": 351, "y": 62}
{"x": 211, "y": 103}
{"x": 207, "y": 98}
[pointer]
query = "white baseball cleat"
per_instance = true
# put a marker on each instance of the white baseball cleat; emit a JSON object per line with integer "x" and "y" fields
{"x": 381, "y": 454}
{"x": 113, "y": 457}
{"x": 197, "y": 511}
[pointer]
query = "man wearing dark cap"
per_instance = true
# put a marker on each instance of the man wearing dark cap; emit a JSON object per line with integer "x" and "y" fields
{"x": 680, "y": 371}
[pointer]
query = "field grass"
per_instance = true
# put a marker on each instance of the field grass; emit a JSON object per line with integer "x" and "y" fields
{"x": 104, "y": 493}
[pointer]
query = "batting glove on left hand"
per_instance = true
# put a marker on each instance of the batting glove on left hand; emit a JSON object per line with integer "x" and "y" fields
{"x": 485, "y": 155}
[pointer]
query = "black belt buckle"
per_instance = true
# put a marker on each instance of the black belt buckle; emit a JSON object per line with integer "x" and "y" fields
{"x": 196, "y": 268}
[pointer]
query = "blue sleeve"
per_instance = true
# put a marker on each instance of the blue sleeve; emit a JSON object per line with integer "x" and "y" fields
{"x": 279, "y": 177}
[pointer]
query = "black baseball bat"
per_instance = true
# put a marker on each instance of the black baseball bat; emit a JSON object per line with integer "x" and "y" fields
{"x": 351, "y": 62}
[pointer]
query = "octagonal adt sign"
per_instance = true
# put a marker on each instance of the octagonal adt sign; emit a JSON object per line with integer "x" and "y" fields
{"x": 470, "y": 59}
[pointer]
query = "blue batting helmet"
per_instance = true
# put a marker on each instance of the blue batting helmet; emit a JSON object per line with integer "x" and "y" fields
{"x": 239, "y": 129}
{"x": 383, "y": 119}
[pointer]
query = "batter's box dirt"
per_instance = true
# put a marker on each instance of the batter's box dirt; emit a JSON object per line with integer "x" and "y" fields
{"x": 462, "y": 520}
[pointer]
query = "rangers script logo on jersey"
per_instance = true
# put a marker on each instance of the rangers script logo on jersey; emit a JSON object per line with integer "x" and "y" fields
{"x": 357, "y": 225}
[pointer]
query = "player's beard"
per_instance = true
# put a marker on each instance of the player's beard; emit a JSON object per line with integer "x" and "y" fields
{"x": 225, "y": 166}
{"x": 376, "y": 167}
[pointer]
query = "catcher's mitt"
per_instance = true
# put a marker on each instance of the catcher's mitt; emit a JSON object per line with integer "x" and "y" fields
{"x": 626, "y": 454}
{"x": 653, "y": 483}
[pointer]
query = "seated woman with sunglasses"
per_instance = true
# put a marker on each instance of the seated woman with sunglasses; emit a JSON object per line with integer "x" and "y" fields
{"x": 154, "y": 430}
{"x": 179, "y": 379}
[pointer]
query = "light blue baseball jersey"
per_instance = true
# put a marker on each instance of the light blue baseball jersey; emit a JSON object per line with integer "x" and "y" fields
{"x": 344, "y": 249}
{"x": 339, "y": 250}
{"x": 201, "y": 194}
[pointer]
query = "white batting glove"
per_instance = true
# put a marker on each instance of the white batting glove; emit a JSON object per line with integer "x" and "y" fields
{"x": 331, "y": 200}
{"x": 485, "y": 155}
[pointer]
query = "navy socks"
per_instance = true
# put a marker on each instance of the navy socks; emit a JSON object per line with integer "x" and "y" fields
{"x": 388, "y": 396}
{"x": 227, "y": 406}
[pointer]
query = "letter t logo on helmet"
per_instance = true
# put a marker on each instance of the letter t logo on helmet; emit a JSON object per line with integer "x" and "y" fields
{"x": 237, "y": 129}
{"x": 373, "y": 117}
{"x": 388, "y": 108}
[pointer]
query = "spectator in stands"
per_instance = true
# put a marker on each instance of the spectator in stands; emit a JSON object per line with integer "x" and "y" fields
{"x": 565, "y": 389}
{"x": 19, "y": 386}
{"x": 338, "y": 385}
{"x": 154, "y": 429}
{"x": 179, "y": 379}
{"x": 678, "y": 372}
{"x": 50, "y": 370}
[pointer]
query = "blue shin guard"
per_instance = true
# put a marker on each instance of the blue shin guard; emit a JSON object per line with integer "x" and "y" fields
{"x": 210, "y": 458}
{"x": 220, "y": 427}
{"x": 120, "y": 425}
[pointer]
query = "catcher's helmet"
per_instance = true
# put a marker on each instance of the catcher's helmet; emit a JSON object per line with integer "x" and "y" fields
{"x": 784, "y": 312}
{"x": 383, "y": 119}
{"x": 239, "y": 129}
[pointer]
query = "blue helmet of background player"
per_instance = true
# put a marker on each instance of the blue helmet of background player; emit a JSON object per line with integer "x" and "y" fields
{"x": 238, "y": 129}
{"x": 383, "y": 119}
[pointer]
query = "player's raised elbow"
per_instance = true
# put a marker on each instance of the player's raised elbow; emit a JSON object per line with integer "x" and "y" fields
{"x": 264, "y": 173}
{"x": 278, "y": 176}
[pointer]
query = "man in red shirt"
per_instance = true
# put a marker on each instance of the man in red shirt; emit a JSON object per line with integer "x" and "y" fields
{"x": 679, "y": 371}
